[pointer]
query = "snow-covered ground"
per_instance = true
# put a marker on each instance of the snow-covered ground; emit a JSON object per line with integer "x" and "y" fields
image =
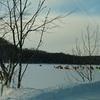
{"x": 47, "y": 83}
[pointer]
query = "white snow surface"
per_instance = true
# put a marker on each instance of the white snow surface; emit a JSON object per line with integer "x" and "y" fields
{"x": 88, "y": 91}
{"x": 47, "y": 83}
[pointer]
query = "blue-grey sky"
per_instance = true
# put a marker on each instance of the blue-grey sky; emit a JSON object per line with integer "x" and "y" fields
{"x": 62, "y": 39}
{"x": 89, "y": 6}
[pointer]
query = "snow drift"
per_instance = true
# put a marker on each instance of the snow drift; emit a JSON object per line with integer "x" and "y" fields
{"x": 87, "y": 91}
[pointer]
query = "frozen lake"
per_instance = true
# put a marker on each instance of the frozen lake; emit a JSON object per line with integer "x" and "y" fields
{"x": 44, "y": 82}
{"x": 45, "y": 75}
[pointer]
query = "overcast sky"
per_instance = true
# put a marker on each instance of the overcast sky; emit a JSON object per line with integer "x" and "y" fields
{"x": 62, "y": 39}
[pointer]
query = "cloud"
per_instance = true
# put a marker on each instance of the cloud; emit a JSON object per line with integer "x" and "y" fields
{"x": 62, "y": 39}
{"x": 61, "y": 5}
{"x": 91, "y": 7}
{"x": 88, "y": 7}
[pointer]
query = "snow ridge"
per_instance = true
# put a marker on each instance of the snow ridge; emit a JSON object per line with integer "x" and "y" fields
{"x": 87, "y": 91}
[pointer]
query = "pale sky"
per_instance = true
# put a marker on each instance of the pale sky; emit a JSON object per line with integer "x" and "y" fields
{"x": 63, "y": 39}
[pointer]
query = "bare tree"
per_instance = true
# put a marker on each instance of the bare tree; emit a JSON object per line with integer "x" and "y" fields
{"x": 89, "y": 48}
{"x": 15, "y": 24}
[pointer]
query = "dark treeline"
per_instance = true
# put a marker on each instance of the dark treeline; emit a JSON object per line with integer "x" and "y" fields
{"x": 9, "y": 52}
{"x": 59, "y": 58}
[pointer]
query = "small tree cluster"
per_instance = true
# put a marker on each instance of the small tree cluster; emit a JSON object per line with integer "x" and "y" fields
{"x": 89, "y": 48}
{"x": 15, "y": 24}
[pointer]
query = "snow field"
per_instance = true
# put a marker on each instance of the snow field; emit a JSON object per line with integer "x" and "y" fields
{"x": 47, "y": 83}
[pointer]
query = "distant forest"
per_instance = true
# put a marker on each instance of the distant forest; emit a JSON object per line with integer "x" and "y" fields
{"x": 7, "y": 50}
